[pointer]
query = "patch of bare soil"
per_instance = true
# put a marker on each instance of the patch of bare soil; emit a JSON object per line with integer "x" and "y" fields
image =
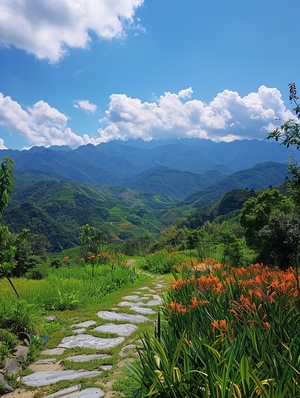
{"x": 18, "y": 393}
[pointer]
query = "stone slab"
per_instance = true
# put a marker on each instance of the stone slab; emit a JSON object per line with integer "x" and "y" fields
{"x": 79, "y": 331}
{"x": 131, "y": 298}
{"x": 142, "y": 310}
{"x": 39, "y": 379}
{"x": 106, "y": 367}
{"x": 122, "y": 353}
{"x": 53, "y": 351}
{"x": 84, "y": 324}
{"x": 88, "y": 341}
{"x": 153, "y": 303}
{"x": 122, "y": 330}
{"x": 87, "y": 393}
{"x": 87, "y": 357}
{"x": 48, "y": 361}
{"x": 117, "y": 316}
{"x": 65, "y": 391}
{"x": 129, "y": 303}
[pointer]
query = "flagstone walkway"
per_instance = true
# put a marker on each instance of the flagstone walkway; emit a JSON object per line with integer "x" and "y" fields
{"x": 116, "y": 322}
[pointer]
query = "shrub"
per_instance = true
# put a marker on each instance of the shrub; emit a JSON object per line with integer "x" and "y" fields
{"x": 163, "y": 261}
{"x": 19, "y": 316}
{"x": 38, "y": 272}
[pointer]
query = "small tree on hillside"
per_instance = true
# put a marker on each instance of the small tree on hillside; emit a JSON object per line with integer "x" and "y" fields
{"x": 93, "y": 240}
{"x": 6, "y": 243}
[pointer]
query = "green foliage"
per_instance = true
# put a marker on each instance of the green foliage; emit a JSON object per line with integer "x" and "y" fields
{"x": 255, "y": 218}
{"x": 137, "y": 246}
{"x": 93, "y": 240}
{"x": 8, "y": 341}
{"x": 40, "y": 271}
{"x": 62, "y": 301}
{"x": 6, "y": 181}
{"x": 19, "y": 316}
{"x": 163, "y": 261}
{"x": 280, "y": 239}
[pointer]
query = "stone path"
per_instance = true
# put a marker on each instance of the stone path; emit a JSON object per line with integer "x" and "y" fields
{"x": 49, "y": 370}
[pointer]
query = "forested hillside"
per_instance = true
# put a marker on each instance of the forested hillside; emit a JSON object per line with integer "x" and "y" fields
{"x": 58, "y": 207}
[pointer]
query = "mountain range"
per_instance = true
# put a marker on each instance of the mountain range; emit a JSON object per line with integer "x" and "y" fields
{"x": 118, "y": 162}
{"x": 132, "y": 187}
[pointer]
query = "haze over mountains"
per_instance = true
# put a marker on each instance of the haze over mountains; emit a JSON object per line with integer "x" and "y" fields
{"x": 125, "y": 162}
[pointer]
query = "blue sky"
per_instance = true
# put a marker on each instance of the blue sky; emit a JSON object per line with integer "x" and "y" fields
{"x": 74, "y": 72}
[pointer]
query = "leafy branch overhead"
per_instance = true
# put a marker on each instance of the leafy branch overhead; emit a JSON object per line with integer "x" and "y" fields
{"x": 289, "y": 131}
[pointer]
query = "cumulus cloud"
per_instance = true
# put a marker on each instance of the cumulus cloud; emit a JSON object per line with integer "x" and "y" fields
{"x": 2, "y": 146}
{"x": 226, "y": 118}
{"x": 86, "y": 106}
{"x": 47, "y": 28}
{"x": 40, "y": 124}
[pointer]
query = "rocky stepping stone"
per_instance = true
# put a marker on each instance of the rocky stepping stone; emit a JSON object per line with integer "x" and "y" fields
{"x": 106, "y": 367}
{"x": 87, "y": 393}
{"x": 122, "y": 330}
{"x": 53, "y": 351}
{"x": 79, "y": 331}
{"x": 48, "y": 361}
{"x": 131, "y": 298}
{"x": 87, "y": 357}
{"x": 129, "y": 303}
{"x": 153, "y": 303}
{"x": 65, "y": 391}
{"x": 142, "y": 310}
{"x": 122, "y": 353}
{"x": 88, "y": 341}
{"x": 117, "y": 316}
{"x": 39, "y": 379}
{"x": 85, "y": 324}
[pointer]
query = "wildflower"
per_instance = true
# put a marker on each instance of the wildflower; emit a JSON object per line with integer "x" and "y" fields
{"x": 220, "y": 325}
{"x": 188, "y": 342}
{"x": 267, "y": 325}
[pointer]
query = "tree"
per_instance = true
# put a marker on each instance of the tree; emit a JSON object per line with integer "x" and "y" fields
{"x": 283, "y": 239}
{"x": 7, "y": 249}
{"x": 256, "y": 216}
{"x": 6, "y": 181}
{"x": 285, "y": 230}
{"x": 92, "y": 238}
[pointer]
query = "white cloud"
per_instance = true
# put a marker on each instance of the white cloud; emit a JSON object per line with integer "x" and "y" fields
{"x": 2, "y": 146}
{"x": 40, "y": 124}
{"x": 86, "y": 106}
{"x": 47, "y": 28}
{"x": 226, "y": 118}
